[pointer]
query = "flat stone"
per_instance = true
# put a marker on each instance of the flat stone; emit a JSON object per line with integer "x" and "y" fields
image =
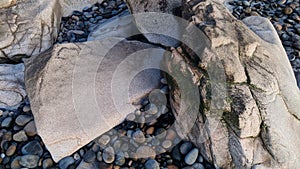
{"x": 116, "y": 69}
{"x": 145, "y": 152}
{"x": 22, "y": 120}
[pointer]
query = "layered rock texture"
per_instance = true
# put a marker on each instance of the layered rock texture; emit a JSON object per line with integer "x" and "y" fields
{"x": 76, "y": 95}
{"x": 256, "y": 121}
{"x": 232, "y": 90}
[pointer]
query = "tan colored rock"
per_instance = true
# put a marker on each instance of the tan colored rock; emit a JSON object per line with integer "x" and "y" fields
{"x": 79, "y": 91}
{"x": 12, "y": 89}
{"x": 30, "y": 27}
{"x": 7, "y": 3}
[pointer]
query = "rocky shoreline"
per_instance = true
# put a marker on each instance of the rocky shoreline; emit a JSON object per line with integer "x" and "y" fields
{"x": 22, "y": 147}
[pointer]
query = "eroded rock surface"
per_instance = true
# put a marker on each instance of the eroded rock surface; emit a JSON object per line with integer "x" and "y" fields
{"x": 12, "y": 89}
{"x": 256, "y": 122}
{"x": 77, "y": 91}
{"x": 30, "y": 27}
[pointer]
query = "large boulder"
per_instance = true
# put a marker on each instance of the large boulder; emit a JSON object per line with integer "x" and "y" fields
{"x": 30, "y": 27}
{"x": 12, "y": 89}
{"x": 79, "y": 91}
{"x": 249, "y": 112}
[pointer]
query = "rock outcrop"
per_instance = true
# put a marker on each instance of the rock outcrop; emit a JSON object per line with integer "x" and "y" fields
{"x": 79, "y": 91}
{"x": 249, "y": 112}
{"x": 30, "y": 27}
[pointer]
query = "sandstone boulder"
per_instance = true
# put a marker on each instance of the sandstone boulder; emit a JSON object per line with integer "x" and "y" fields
{"x": 79, "y": 91}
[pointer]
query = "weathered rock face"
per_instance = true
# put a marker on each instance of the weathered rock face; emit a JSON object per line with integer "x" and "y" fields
{"x": 79, "y": 91}
{"x": 149, "y": 27}
{"x": 12, "y": 89}
{"x": 121, "y": 26}
{"x": 30, "y": 27}
{"x": 249, "y": 97}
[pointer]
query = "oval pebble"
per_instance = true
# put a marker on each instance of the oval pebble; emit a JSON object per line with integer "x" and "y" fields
{"x": 108, "y": 155}
{"x": 185, "y": 147}
{"x": 191, "y": 157}
{"x": 11, "y": 149}
{"x": 22, "y": 120}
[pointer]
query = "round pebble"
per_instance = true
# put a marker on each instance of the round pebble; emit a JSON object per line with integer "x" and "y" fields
{"x": 152, "y": 164}
{"x": 138, "y": 136}
{"x": 108, "y": 155}
{"x": 167, "y": 144}
{"x": 47, "y": 163}
{"x": 103, "y": 140}
{"x": 185, "y": 147}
